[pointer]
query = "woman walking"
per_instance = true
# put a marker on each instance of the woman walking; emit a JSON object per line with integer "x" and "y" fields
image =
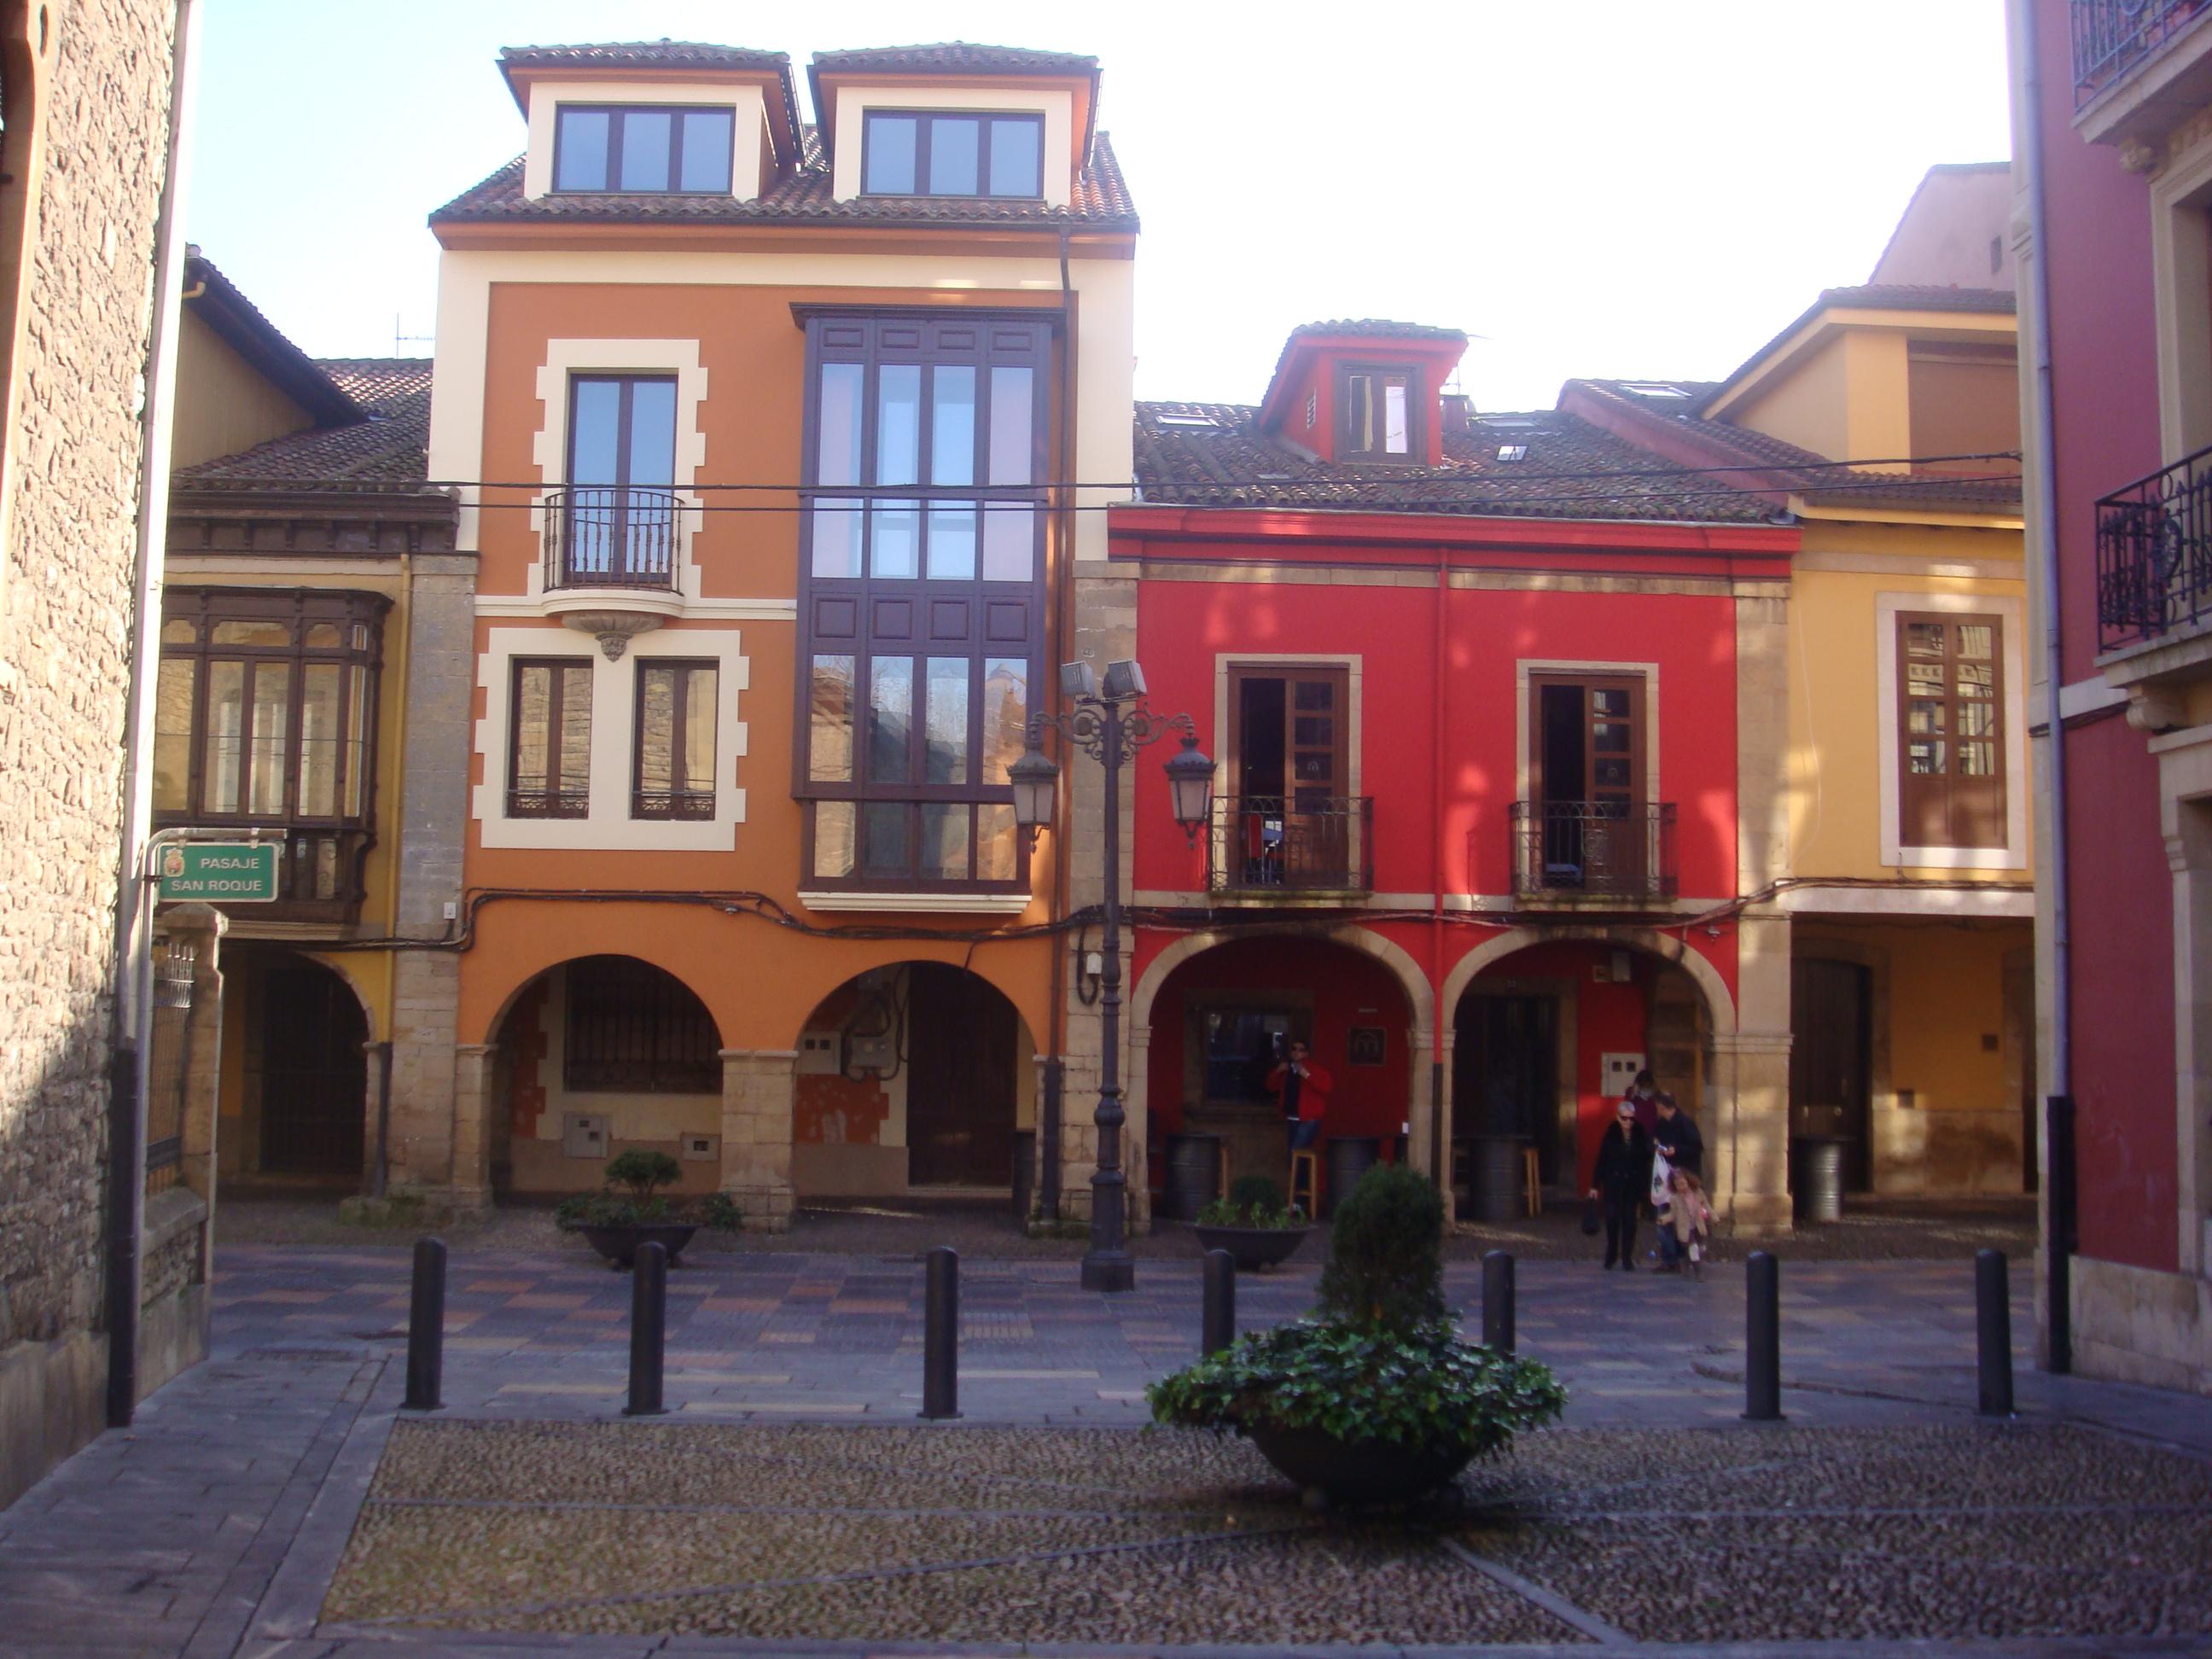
{"x": 1621, "y": 1182}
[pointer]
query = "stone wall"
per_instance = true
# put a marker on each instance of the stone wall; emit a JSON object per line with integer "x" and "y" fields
{"x": 65, "y": 635}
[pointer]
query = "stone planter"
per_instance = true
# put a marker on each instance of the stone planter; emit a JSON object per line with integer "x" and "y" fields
{"x": 619, "y": 1244}
{"x": 1356, "y": 1470}
{"x": 1253, "y": 1247}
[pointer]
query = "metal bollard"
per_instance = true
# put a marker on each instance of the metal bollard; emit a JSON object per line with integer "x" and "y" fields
{"x": 1762, "y": 1367}
{"x": 940, "y": 1334}
{"x": 1993, "y": 1332}
{"x": 1217, "y": 1329}
{"x": 648, "y": 1330}
{"x": 426, "y": 1327}
{"x": 1497, "y": 1300}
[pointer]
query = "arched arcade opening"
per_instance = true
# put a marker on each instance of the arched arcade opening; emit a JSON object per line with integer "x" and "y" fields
{"x": 293, "y": 1091}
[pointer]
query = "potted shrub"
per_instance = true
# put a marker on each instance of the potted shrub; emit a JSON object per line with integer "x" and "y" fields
{"x": 1253, "y": 1224}
{"x": 615, "y": 1222}
{"x": 1374, "y": 1398}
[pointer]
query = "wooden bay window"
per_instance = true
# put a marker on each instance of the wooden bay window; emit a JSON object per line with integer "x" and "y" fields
{"x": 1951, "y": 749}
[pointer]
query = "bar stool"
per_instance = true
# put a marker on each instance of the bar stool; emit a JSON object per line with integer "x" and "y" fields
{"x": 1532, "y": 1180}
{"x": 1306, "y": 1177}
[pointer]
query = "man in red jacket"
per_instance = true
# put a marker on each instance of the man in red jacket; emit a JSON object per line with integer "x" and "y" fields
{"x": 1302, "y": 1087}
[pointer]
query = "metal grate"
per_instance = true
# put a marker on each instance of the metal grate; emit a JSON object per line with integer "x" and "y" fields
{"x": 2154, "y": 553}
{"x": 1279, "y": 843}
{"x": 611, "y": 536}
{"x": 1602, "y": 848}
{"x": 2110, "y": 37}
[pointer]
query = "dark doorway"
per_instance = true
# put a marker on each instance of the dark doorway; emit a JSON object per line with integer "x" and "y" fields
{"x": 315, "y": 1072}
{"x": 962, "y": 1039}
{"x": 1506, "y": 1073}
{"x": 1831, "y": 1057}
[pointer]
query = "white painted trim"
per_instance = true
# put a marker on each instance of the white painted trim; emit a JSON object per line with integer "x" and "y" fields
{"x": 609, "y": 826}
{"x": 1526, "y": 667}
{"x": 1056, "y": 175}
{"x": 953, "y": 903}
{"x": 548, "y": 449}
{"x": 2014, "y": 663}
{"x": 749, "y": 127}
{"x": 1962, "y": 902}
{"x": 508, "y": 605}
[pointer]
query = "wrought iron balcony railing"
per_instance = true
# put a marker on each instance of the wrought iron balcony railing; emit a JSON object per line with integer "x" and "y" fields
{"x": 610, "y": 536}
{"x": 2110, "y": 37}
{"x": 672, "y": 803}
{"x": 1564, "y": 848}
{"x": 1278, "y": 844}
{"x": 2154, "y": 553}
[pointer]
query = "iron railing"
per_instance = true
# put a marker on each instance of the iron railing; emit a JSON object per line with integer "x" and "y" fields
{"x": 549, "y": 803}
{"x": 1563, "y": 849}
{"x": 169, "y": 1079}
{"x": 1272, "y": 843}
{"x": 610, "y": 536}
{"x": 2154, "y": 553}
{"x": 672, "y": 803}
{"x": 2110, "y": 37}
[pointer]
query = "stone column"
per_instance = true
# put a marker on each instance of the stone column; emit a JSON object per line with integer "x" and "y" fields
{"x": 425, "y": 1001}
{"x": 475, "y": 1100}
{"x": 1432, "y": 1048}
{"x": 200, "y": 928}
{"x": 758, "y": 1088}
{"x": 1136, "y": 1133}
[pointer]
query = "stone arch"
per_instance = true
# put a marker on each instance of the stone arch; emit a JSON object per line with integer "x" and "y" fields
{"x": 1407, "y": 972}
{"x": 532, "y": 972}
{"x": 337, "y": 965}
{"x": 1720, "y": 1006}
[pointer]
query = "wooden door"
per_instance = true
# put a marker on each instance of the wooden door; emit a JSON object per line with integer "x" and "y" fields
{"x": 314, "y": 1072}
{"x": 1586, "y": 780}
{"x": 961, "y": 1043}
{"x": 1292, "y": 823}
{"x": 1831, "y": 1061}
{"x": 1505, "y": 1072}
{"x": 1951, "y": 759}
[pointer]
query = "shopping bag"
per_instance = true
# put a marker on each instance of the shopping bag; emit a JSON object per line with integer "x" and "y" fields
{"x": 1661, "y": 1173}
{"x": 1591, "y": 1222}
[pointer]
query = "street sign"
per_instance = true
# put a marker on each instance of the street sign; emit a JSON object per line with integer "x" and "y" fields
{"x": 216, "y": 872}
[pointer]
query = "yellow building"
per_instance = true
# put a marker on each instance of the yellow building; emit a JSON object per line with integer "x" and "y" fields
{"x": 1904, "y": 865}
{"x": 313, "y": 617}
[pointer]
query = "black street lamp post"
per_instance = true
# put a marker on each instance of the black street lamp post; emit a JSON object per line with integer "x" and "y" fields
{"x": 1101, "y": 727}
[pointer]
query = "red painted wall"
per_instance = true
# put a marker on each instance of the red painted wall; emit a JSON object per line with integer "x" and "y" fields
{"x": 1181, "y": 627}
{"x": 1349, "y": 988}
{"x": 2106, "y": 431}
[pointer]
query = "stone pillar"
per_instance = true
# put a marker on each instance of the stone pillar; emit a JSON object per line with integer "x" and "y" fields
{"x": 475, "y": 1100}
{"x": 1432, "y": 1156}
{"x": 758, "y": 1087}
{"x": 1748, "y": 1135}
{"x": 425, "y": 1001}
{"x": 1136, "y": 1133}
{"x": 200, "y": 928}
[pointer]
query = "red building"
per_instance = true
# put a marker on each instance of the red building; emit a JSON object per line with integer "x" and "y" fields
{"x": 2114, "y": 178}
{"x": 1498, "y": 741}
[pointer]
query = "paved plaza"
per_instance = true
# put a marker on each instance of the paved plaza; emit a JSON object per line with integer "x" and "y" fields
{"x": 790, "y": 1496}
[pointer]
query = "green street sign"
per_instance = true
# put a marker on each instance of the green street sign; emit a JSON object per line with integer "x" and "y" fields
{"x": 216, "y": 872}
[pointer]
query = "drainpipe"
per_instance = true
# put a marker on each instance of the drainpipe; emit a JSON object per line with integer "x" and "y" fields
{"x": 1052, "y": 1097}
{"x": 134, "y": 910}
{"x": 1439, "y": 1153}
{"x": 2058, "y": 1086}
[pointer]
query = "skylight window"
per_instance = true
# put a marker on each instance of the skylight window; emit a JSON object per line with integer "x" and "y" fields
{"x": 1512, "y": 452}
{"x": 1184, "y": 420}
{"x": 1512, "y": 423}
{"x": 1652, "y": 389}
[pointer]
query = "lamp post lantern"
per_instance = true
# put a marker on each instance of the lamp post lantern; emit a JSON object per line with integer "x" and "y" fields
{"x": 1106, "y": 725}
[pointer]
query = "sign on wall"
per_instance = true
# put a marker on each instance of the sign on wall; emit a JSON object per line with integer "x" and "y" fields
{"x": 216, "y": 872}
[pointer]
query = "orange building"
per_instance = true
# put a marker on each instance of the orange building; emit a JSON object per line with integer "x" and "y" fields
{"x": 757, "y": 426}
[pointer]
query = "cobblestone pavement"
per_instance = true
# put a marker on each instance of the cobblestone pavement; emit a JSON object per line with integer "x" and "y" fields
{"x": 215, "y": 1525}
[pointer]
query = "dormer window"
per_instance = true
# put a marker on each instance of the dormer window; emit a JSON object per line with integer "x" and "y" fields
{"x": 643, "y": 150}
{"x": 951, "y": 153}
{"x": 1377, "y": 418}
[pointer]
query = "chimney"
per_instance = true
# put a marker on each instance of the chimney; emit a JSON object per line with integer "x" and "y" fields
{"x": 1458, "y": 412}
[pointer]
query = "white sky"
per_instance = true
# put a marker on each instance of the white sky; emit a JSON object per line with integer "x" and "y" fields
{"x": 1600, "y": 187}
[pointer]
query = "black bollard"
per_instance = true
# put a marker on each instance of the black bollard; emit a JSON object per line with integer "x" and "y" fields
{"x": 648, "y": 1330}
{"x": 1217, "y": 1329}
{"x": 1762, "y": 1367}
{"x": 1993, "y": 1332}
{"x": 940, "y": 1334}
{"x": 426, "y": 1327}
{"x": 1497, "y": 1300}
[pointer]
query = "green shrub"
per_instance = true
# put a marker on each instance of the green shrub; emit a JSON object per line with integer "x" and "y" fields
{"x": 1385, "y": 1264}
{"x": 1255, "y": 1193}
{"x": 1418, "y": 1387}
{"x": 721, "y": 1212}
{"x": 642, "y": 1171}
{"x": 1224, "y": 1213}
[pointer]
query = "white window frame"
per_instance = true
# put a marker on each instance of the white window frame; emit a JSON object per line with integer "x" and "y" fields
{"x": 607, "y": 824}
{"x": 2013, "y": 664}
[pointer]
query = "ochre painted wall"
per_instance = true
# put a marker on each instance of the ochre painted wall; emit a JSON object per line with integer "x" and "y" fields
{"x": 1807, "y": 408}
{"x": 224, "y": 405}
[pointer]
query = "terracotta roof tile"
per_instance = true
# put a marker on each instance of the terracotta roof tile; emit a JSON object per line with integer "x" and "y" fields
{"x": 642, "y": 54}
{"x": 1213, "y": 455}
{"x": 388, "y": 450}
{"x": 958, "y": 57}
{"x": 802, "y": 196}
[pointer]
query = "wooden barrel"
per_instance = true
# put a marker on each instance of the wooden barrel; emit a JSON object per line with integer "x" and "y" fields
{"x": 1494, "y": 1181}
{"x": 1350, "y": 1156}
{"x": 1194, "y": 1175}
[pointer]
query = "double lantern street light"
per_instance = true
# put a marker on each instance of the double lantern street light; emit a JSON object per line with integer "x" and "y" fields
{"x": 1101, "y": 727}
